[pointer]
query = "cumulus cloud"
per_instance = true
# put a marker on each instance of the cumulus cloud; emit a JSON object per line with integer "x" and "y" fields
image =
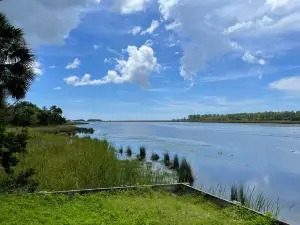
{"x": 37, "y": 68}
{"x": 209, "y": 29}
{"x": 290, "y": 85}
{"x": 130, "y": 6}
{"x": 135, "y": 30}
{"x": 45, "y": 22}
{"x": 138, "y": 67}
{"x": 154, "y": 25}
{"x": 75, "y": 64}
{"x": 248, "y": 57}
{"x": 57, "y": 88}
{"x": 52, "y": 67}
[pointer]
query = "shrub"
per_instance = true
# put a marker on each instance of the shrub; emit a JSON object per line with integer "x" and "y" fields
{"x": 121, "y": 150}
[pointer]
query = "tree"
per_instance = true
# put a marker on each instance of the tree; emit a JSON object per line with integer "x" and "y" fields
{"x": 16, "y": 62}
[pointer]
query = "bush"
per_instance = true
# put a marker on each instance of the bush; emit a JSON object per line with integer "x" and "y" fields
{"x": 185, "y": 173}
{"x": 154, "y": 157}
{"x": 121, "y": 150}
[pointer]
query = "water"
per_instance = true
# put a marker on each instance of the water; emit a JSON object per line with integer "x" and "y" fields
{"x": 264, "y": 156}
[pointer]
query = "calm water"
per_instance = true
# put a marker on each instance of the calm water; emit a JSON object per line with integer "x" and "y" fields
{"x": 263, "y": 156}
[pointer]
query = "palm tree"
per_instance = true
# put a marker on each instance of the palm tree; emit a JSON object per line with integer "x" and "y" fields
{"x": 16, "y": 62}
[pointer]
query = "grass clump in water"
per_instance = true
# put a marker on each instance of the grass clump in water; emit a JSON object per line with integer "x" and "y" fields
{"x": 176, "y": 163}
{"x": 185, "y": 173}
{"x": 121, "y": 150}
{"x": 129, "y": 151}
{"x": 167, "y": 161}
{"x": 142, "y": 155}
{"x": 154, "y": 157}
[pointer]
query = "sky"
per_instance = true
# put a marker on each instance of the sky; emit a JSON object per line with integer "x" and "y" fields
{"x": 161, "y": 59}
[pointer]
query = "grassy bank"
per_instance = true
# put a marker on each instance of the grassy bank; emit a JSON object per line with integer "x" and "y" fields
{"x": 64, "y": 163}
{"x": 130, "y": 207}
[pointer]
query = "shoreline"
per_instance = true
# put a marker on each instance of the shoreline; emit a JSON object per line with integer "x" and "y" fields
{"x": 170, "y": 121}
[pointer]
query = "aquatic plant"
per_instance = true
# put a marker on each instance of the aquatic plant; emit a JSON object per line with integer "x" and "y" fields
{"x": 167, "y": 159}
{"x": 142, "y": 154}
{"x": 176, "y": 163}
{"x": 185, "y": 173}
{"x": 129, "y": 151}
{"x": 154, "y": 157}
{"x": 121, "y": 150}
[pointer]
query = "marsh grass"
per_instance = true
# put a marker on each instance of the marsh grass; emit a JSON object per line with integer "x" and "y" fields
{"x": 248, "y": 197}
{"x": 65, "y": 163}
{"x": 129, "y": 151}
{"x": 142, "y": 155}
{"x": 166, "y": 160}
{"x": 175, "y": 163}
{"x": 155, "y": 157}
{"x": 185, "y": 173}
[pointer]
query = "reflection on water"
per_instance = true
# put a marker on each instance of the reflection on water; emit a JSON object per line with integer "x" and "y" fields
{"x": 262, "y": 155}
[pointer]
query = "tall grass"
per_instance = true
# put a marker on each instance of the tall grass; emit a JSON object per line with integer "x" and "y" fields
{"x": 64, "y": 163}
{"x": 176, "y": 163}
{"x": 155, "y": 157}
{"x": 142, "y": 155}
{"x": 167, "y": 161}
{"x": 185, "y": 173}
{"x": 129, "y": 151}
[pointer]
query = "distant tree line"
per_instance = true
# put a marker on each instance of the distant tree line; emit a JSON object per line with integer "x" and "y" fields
{"x": 255, "y": 117}
{"x": 28, "y": 114}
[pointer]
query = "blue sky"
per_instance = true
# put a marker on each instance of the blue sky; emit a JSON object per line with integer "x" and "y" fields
{"x": 162, "y": 59}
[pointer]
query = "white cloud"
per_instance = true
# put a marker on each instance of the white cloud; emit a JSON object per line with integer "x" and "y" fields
{"x": 130, "y": 6}
{"x": 154, "y": 25}
{"x": 59, "y": 17}
{"x": 248, "y": 57}
{"x": 290, "y": 85}
{"x": 52, "y": 67}
{"x": 57, "y": 88}
{"x": 173, "y": 26}
{"x": 37, "y": 68}
{"x": 140, "y": 64}
{"x": 149, "y": 43}
{"x": 135, "y": 30}
{"x": 96, "y": 47}
{"x": 75, "y": 64}
{"x": 210, "y": 29}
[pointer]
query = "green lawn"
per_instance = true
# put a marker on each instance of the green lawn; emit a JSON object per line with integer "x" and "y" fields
{"x": 127, "y": 207}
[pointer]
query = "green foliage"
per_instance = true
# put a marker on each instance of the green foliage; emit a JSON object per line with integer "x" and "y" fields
{"x": 167, "y": 161}
{"x": 185, "y": 173}
{"x": 176, "y": 163}
{"x": 129, "y": 151}
{"x": 64, "y": 163}
{"x": 121, "y": 150}
{"x": 142, "y": 155}
{"x": 245, "y": 117}
{"x": 126, "y": 207}
{"x": 27, "y": 114}
{"x": 154, "y": 157}
{"x": 11, "y": 144}
{"x": 16, "y": 61}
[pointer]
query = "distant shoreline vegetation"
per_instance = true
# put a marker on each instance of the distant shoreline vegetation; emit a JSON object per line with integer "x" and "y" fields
{"x": 287, "y": 117}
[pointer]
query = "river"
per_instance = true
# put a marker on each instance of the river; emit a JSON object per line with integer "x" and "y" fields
{"x": 264, "y": 156}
